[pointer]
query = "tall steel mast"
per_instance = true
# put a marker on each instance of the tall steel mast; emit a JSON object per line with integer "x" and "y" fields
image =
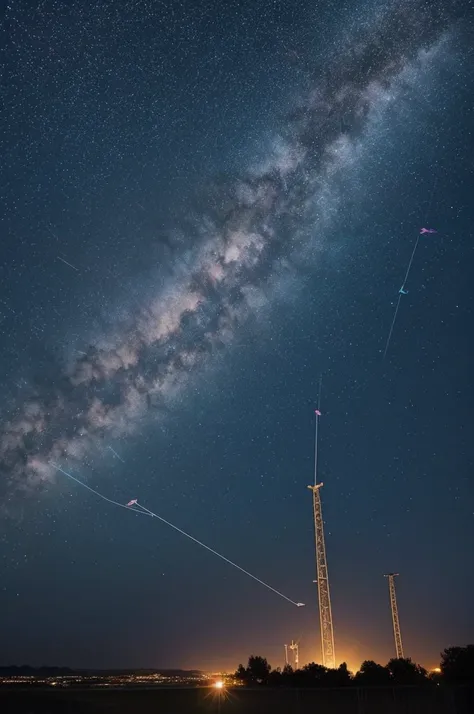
{"x": 325, "y": 612}
{"x": 396, "y": 622}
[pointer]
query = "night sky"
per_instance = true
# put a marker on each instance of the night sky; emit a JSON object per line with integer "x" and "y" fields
{"x": 236, "y": 188}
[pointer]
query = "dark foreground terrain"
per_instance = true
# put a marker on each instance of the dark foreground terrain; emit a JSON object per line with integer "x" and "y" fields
{"x": 373, "y": 700}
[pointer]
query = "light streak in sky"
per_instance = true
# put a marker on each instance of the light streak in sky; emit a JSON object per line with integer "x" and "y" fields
{"x": 115, "y": 454}
{"x": 70, "y": 264}
{"x": 138, "y": 508}
{"x": 402, "y": 291}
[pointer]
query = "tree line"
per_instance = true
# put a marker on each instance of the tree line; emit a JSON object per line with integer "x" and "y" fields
{"x": 456, "y": 667}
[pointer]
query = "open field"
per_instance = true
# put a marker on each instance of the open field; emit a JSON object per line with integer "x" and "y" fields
{"x": 374, "y": 700}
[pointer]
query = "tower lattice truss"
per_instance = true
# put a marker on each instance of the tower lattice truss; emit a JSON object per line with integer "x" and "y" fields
{"x": 325, "y": 613}
{"x": 396, "y": 622}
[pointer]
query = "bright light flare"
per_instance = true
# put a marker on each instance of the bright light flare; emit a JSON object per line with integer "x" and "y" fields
{"x": 219, "y": 684}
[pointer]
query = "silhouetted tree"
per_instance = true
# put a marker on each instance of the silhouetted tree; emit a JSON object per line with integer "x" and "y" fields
{"x": 404, "y": 671}
{"x": 314, "y": 671}
{"x": 311, "y": 675}
{"x": 372, "y": 674}
{"x": 275, "y": 678}
{"x": 257, "y": 672}
{"x": 259, "y": 669}
{"x": 339, "y": 677}
{"x": 457, "y": 664}
{"x": 241, "y": 673}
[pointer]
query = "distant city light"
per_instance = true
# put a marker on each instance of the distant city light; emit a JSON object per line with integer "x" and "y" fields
{"x": 437, "y": 670}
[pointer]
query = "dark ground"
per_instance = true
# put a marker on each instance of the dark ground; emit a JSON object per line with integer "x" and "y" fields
{"x": 400, "y": 700}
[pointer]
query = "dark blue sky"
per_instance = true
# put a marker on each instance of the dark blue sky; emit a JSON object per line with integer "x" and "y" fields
{"x": 237, "y": 188}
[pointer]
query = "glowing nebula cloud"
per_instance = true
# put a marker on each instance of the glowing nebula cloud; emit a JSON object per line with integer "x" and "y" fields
{"x": 243, "y": 245}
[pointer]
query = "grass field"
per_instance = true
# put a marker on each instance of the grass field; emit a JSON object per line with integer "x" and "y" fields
{"x": 400, "y": 700}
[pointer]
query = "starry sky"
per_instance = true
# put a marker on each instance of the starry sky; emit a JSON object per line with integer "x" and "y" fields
{"x": 205, "y": 207}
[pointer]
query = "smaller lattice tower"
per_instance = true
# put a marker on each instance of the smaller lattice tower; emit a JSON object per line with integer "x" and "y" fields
{"x": 396, "y": 622}
{"x": 295, "y": 647}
